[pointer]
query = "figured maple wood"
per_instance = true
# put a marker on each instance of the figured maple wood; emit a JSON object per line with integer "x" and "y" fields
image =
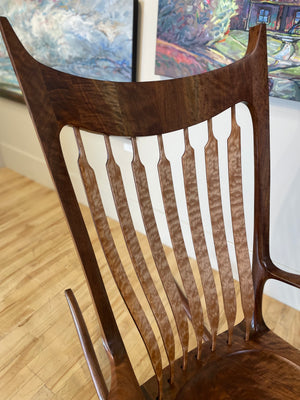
{"x": 193, "y": 206}
{"x": 114, "y": 261}
{"x": 137, "y": 257}
{"x": 153, "y": 108}
{"x": 216, "y": 213}
{"x": 37, "y": 340}
{"x": 168, "y": 194}
{"x": 238, "y": 222}
{"x": 158, "y": 252}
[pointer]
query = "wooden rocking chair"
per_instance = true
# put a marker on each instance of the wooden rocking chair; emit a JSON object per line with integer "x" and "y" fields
{"x": 247, "y": 361}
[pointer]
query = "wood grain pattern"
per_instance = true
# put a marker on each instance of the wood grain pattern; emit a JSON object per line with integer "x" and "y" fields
{"x": 217, "y": 380}
{"x": 56, "y": 99}
{"x": 193, "y": 206}
{"x": 114, "y": 261}
{"x": 158, "y": 252}
{"x": 216, "y": 213}
{"x": 87, "y": 346}
{"x": 238, "y": 222}
{"x": 168, "y": 194}
{"x": 37, "y": 340}
{"x": 137, "y": 257}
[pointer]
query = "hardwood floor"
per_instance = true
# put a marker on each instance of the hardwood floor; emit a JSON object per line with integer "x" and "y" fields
{"x": 40, "y": 355}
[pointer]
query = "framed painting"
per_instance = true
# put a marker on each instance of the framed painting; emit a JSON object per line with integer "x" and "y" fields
{"x": 194, "y": 36}
{"x": 90, "y": 38}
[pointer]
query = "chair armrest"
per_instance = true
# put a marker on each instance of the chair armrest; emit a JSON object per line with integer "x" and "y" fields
{"x": 281, "y": 275}
{"x": 123, "y": 381}
{"x": 87, "y": 346}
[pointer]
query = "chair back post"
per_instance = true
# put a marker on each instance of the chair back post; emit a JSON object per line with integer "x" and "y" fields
{"x": 56, "y": 99}
{"x": 30, "y": 74}
{"x": 259, "y": 109}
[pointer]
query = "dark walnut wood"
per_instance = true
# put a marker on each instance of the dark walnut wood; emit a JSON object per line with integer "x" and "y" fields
{"x": 246, "y": 362}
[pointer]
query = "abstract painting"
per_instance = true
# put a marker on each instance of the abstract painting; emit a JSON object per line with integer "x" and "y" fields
{"x": 195, "y": 36}
{"x": 90, "y": 38}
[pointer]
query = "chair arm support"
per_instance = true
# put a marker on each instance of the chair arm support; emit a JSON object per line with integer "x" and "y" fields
{"x": 87, "y": 346}
{"x": 281, "y": 275}
{"x": 123, "y": 381}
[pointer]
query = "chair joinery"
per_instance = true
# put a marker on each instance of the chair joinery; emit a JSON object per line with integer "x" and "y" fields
{"x": 190, "y": 290}
{"x": 135, "y": 110}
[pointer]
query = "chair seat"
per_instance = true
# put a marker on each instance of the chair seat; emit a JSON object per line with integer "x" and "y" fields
{"x": 268, "y": 364}
{"x": 268, "y": 376}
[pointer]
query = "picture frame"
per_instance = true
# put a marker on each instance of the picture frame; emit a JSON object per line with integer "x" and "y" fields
{"x": 91, "y": 38}
{"x": 195, "y": 36}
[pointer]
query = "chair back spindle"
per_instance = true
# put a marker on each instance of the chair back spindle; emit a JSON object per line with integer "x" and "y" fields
{"x": 180, "y": 304}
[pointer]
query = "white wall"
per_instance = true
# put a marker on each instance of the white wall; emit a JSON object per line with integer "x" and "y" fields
{"x": 147, "y": 39}
{"x": 19, "y": 150}
{"x": 1, "y": 160}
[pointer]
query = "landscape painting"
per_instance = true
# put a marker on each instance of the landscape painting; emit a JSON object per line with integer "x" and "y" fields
{"x": 90, "y": 38}
{"x": 194, "y": 36}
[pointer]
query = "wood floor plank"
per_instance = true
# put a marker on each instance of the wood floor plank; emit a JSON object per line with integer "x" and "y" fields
{"x": 23, "y": 385}
{"x": 40, "y": 355}
{"x": 28, "y": 388}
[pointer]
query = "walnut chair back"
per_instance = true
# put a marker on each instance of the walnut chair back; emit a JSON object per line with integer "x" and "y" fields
{"x": 137, "y": 110}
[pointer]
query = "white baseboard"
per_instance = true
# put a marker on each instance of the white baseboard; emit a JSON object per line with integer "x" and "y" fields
{"x": 26, "y": 164}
